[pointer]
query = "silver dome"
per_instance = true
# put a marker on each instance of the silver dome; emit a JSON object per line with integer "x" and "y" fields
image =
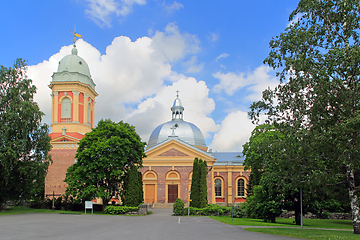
{"x": 185, "y": 131}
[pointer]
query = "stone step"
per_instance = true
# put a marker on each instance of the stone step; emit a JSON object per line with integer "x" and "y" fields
{"x": 162, "y": 205}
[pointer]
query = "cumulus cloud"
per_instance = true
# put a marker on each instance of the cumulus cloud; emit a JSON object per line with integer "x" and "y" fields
{"x": 193, "y": 66}
{"x": 255, "y": 82}
{"x": 132, "y": 82}
{"x": 156, "y": 110}
{"x": 171, "y": 45}
{"x": 102, "y": 11}
{"x": 174, "y": 7}
{"x": 235, "y": 131}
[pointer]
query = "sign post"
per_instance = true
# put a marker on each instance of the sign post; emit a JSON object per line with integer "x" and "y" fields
{"x": 189, "y": 203}
{"x": 89, "y": 205}
{"x": 53, "y": 199}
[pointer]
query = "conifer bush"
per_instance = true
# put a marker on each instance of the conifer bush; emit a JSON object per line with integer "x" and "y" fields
{"x": 198, "y": 194}
{"x": 178, "y": 207}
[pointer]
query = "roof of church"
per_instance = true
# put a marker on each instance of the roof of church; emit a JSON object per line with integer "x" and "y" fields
{"x": 73, "y": 68}
{"x": 185, "y": 131}
{"x": 228, "y": 158}
{"x": 176, "y": 138}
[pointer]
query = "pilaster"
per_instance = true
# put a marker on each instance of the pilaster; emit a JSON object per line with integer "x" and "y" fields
{"x": 76, "y": 106}
{"x": 55, "y": 108}
{"x": 86, "y": 97}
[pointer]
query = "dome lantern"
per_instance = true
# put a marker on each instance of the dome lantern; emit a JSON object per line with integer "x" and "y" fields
{"x": 183, "y": 130}
{"x": 177, "y": 109}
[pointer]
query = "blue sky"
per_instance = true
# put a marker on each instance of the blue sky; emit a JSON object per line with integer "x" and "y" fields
{"x": 141, "y": 51}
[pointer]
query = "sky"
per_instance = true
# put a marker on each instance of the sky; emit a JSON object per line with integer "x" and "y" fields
{"x": 140, "y": 52}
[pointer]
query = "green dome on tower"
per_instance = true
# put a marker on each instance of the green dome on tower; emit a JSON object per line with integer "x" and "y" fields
{"x": 73, "y": 68}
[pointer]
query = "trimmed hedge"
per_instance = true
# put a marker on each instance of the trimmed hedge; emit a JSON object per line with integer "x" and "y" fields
{"x": 209, "y": 210}
{"x": 115, "y": 210}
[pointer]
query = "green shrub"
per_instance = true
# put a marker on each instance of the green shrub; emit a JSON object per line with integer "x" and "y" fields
{"x": 57, "y": 203}
{"x": 178, "y": 207}
{"x": 115, "y": 210}
{"x": 39, "y": 204}
{"x": 209, "y": 210}
{"x": 238, "y": 212}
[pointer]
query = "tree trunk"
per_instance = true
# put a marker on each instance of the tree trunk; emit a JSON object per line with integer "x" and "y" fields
{"x": 353, "y": 199}
{"x": 297, "y": 213}
{"x": 105, "y": 203}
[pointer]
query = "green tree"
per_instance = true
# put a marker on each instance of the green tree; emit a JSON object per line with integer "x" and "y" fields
{"x": 199, "y": 184}
{"x": 104, "y": 157}
{"x": 318, "y": 58}
{"x": 195, "y": 184}
{"x": 282, "y": 162}
{"x": 132, "y": 193}
{"x": 24, "y": 140}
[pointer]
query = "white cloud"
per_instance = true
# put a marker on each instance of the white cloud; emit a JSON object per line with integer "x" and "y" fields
{"x": 156, "y": 110}
{"x": 296, "y": 19}
{"x": 223, "y": 55}
{"x": 102, "y": 11}
{"x": 214, "y": 37}
{"x": 193, "y": 66}
{"x": 131, "y": 81}
{"x": 174, "y": 6}
{"x": 171, "y": 45}
{"x": 235, "y": 131}
{"x": 255, "y": 82}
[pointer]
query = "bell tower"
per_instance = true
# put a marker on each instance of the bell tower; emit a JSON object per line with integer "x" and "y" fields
{"x": 73, "y": 106}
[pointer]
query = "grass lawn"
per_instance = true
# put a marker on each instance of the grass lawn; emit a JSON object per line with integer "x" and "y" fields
{"x": 288, "y": 222}
{"x": 342, "y": 225}
{"x": 21, "y": 210}
{"x": 307, "y": 233}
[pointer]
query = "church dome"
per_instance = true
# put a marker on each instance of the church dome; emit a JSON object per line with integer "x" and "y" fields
{"x": 185, "y": 131}
{"x": 73, "y": 68}
{"x": 74, "y": 63}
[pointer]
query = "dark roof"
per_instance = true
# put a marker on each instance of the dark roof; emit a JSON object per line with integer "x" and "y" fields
{"x": 228, "y": 158}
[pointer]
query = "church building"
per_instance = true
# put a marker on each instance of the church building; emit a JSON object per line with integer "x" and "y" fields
{"x": 171, "y": 149}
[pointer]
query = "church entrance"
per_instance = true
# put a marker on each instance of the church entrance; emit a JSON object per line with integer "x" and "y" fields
{"x": 172, "y": 193}
{"x": 150, "y": 193}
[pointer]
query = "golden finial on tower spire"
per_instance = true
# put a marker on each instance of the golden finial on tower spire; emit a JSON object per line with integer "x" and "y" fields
{"x": 75, "y": 35}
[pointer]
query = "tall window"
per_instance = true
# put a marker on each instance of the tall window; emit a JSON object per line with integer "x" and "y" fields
{"x": 66, "y": 110}
{"x": 218, "y": 187}
{"x": 241, "y": 187}
{"x": 89, "y": 114}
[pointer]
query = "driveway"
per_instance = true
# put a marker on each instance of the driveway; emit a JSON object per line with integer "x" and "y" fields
{"x": 160, "y": 226}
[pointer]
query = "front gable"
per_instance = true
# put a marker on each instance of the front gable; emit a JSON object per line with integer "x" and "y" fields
{"x": 64, "y": 142}
{"x": 175, "y": 153}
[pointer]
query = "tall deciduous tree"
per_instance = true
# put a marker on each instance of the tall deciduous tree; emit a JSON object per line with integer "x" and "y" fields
{"x": 318, "y": 61}
{"x": 104, "y": 157}
{"x": 282, "y": 161}
{"x": 24, "y": 141}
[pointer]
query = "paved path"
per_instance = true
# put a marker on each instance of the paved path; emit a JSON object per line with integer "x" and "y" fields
{"x": 158, "y": 226}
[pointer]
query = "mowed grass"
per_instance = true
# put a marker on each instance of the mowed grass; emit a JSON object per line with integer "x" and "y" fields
{"x": 22, "y": 210}
{"x": 307, "y": 233}
{"x": 288, "y": 222}
{"x": 344, "y": 228}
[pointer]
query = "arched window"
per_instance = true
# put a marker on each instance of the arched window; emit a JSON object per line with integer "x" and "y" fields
{"x": 218, "y": 187}
{"x": 241, "y": 188}
{"x": 66, "y": 110}
{"x": 89, "y": 114}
